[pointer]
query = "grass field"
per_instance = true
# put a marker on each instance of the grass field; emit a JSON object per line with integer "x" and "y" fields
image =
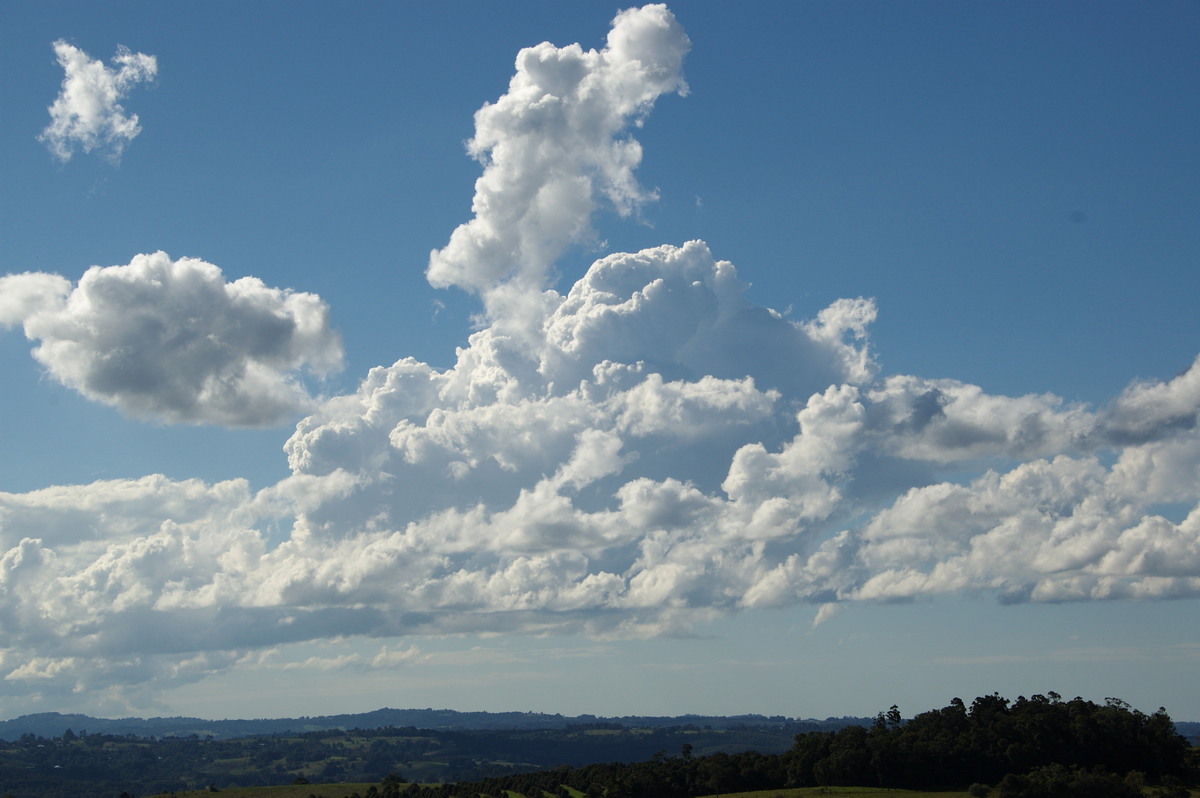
{"x": 873, "y": 792}
{"x": 842, "y": 792}
{"x": 345, "y": 790}
{"x": 284, "y": 791}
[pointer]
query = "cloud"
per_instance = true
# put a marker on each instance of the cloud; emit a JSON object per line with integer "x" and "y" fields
{"x": 635, "y": 456}
{"x": 1149, "y": 410}
{"x": 947, "y": 421}
{"x": 171, "y": 340}
{"x": 23, "y": 296}
{"x": 552, "y": 148}
{"x": 87, "y": 114}
{"x": 386, "y": 658}
{"x": 827, "y": 612}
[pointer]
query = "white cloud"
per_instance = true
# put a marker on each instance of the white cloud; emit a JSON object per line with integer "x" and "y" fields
{"x": 23, "y": 296}
{"x": 386, "y": 658}
{"x": 552, "y": 147}
{"x": 826, "y": 612}
{"x": 114, "y": 510}
{"x": 172, "y": 340}
{"x": 634, "y": 456}
{"x": 87, "y": 114}
{"x": 1048, "y": 530}
{"x": 946, "y": 421}
{"x": 1151, "y": 409}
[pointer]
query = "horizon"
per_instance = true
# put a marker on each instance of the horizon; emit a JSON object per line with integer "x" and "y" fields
{"x": 596, "y": 361}
{"x": 429, "y": 709}
{"x": 787, "y": 718}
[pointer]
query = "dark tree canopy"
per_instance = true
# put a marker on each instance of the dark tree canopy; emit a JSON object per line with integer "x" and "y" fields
{"x": 1029, "y": 748}
{"x": 955, "y": 746}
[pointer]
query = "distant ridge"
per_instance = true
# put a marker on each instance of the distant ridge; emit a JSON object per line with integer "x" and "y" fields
{"x": 54, "y": 724}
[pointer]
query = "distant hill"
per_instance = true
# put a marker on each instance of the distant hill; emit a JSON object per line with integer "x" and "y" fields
{"x": 86, "y": 757}
{"x": 54, "y": 724}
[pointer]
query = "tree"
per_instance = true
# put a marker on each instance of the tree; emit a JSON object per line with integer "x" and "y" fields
{"x": 849, "y": 760}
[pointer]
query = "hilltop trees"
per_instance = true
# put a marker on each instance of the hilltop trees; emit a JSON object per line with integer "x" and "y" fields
{"x": 955, "y": 746}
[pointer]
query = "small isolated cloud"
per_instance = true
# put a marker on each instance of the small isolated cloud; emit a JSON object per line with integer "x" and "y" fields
{"x": 171, "y": 340}
{"x": 827, "y": 612}
{"x": 635, "y": 455}
{"x": 87, "y": 114}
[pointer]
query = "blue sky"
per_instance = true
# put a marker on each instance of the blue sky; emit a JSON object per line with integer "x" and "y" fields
{"x": 932, "y": 433}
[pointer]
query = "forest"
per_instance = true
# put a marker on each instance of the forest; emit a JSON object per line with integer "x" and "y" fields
{"x": 1034, "y": 747}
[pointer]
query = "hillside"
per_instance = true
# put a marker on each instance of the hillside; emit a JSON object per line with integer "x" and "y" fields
{"x": 54, "y": 724}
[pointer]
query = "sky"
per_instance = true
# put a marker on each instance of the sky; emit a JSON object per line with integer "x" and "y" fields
{"x": 793, "y": 358}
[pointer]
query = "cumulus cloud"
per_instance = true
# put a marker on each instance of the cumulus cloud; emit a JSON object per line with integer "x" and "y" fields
{"x": 553, "y": 147}
{"x": 634, "y": 456}
{"x": 87, "y": 114}
{"x": 172, "y": 340}
{"x": 1148, "y": 410}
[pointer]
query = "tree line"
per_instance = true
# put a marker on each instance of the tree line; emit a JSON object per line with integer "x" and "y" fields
{"x": 1038, "y": 747}
{"x": 995, "y": 740}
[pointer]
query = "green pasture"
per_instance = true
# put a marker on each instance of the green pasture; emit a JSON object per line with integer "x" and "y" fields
{"x": 842, "y": 792}
{"x": 345, "y": 790}
{"x": 282, "y": 791}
